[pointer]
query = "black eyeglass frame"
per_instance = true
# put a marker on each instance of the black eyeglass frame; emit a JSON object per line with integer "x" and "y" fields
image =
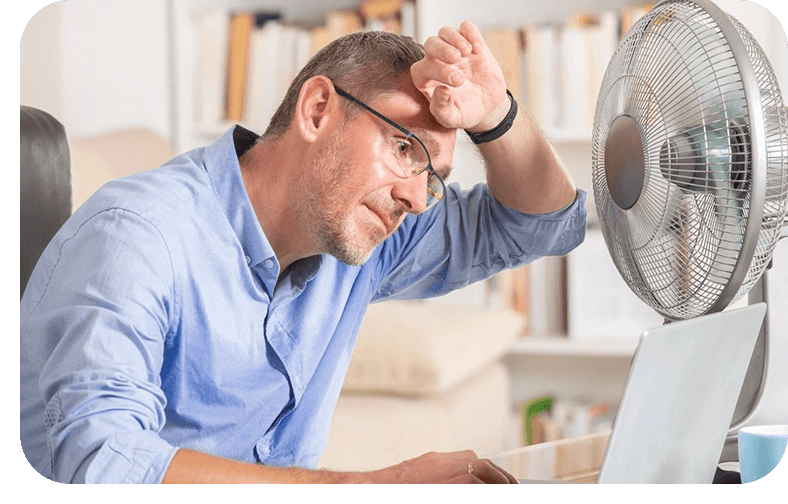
{"x": 341, "y": 92}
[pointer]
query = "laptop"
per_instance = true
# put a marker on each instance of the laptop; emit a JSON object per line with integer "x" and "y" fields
{"x": 679, "y": 399}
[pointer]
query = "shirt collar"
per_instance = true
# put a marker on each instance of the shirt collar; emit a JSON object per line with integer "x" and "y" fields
{"x": 224, "y": 172}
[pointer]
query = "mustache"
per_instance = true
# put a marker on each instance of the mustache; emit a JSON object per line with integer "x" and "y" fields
{"x": 390, "y": 210}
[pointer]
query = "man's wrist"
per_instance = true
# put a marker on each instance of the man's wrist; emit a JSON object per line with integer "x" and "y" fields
{"x": 493, "y": 118}
{"x": 501, "y": 128}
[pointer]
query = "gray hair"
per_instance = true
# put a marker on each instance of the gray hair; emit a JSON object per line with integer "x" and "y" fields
{"x": 365, "y": 64}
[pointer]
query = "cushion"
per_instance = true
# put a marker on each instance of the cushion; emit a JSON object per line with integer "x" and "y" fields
{"x": 98, "y": 159}
{"x": 373, "y": 431}
{"x": 421, "y": 347}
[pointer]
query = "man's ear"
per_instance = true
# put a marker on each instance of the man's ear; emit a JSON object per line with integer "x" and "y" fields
{"x": 314, "y": 107}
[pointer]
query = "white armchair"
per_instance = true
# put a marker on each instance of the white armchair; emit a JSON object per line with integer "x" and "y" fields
{"x": 414, "y": 387}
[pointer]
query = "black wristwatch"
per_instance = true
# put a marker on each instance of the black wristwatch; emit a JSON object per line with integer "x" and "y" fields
{"x": 498, "y": 131}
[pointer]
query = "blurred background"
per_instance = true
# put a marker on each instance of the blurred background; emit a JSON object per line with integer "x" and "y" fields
{"x": 531, "y": 355}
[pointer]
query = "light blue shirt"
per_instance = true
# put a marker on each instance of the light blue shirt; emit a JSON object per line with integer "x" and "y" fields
{"x": 154, "y": 321}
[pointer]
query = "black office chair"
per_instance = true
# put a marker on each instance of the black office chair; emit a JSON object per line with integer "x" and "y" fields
{"x": 45, "y": 180}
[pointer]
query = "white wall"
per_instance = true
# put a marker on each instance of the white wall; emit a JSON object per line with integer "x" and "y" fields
{"x": 38, "y": 62}
{"x": 438, "y": 13}
{"x": 762, "y": 18}
{"x": 98, "y": 65}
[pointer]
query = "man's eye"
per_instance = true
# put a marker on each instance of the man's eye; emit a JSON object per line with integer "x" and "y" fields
{"x": 403, "y": 148}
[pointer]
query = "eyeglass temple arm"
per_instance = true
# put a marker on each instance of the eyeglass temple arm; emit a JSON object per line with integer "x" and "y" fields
{"x": 366, "y": 107}
{"x": 341, "y": 92}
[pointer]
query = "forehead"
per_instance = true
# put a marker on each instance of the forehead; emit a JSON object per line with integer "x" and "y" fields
{"x": 410, "y": 109}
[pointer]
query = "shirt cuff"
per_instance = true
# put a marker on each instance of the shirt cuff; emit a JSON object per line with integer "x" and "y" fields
{"x": 133, "y": 457}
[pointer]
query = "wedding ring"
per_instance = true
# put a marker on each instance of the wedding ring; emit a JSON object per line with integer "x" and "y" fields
{"x": 470, "y": 467}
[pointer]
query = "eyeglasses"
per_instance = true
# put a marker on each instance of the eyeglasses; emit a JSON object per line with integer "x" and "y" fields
{"x": 412, "y": 157}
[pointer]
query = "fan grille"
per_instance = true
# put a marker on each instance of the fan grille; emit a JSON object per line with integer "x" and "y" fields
{"x": 675, "y": 75}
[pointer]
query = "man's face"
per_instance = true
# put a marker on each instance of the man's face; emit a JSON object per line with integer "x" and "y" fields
{"x": 356, "y": 195}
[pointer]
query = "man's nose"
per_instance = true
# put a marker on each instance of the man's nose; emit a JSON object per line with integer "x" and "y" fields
{"x": 411, "y": 193}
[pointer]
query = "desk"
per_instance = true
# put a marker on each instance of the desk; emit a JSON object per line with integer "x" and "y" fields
{"x": 569, "y": 460}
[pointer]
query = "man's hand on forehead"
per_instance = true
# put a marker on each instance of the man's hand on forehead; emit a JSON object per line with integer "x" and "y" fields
{"x": 460, "y": 77}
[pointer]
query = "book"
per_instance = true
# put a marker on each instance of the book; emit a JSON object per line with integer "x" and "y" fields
{"x": 505, "y": 45}
{"x": 240, "y": 33}
{"x": 213, "y": 35}
{"x": 395, "y": 16}
{"x": 574, "y": 80}
{"x": 541, "y": 73}
{"x": 379, "y": 9}
{"x": 277, "y": 52}
{"x": 265, "y": 50}
{"x": 578, "y": 71}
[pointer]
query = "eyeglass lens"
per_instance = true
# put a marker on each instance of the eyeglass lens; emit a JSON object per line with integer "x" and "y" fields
{"x": 409, "y": 152}
{"x": 413, "y": 161}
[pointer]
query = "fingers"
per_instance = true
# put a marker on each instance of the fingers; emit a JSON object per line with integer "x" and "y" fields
{"x": 448, "y": 46}
{"x": 471, "y": 33}
{"x": 447, "y": 49}
{"x": 454, "y": 39}
{"x": 438, "y": 71}
{"x": 456, "y": 76}
{"x": 509, "y": 478}
{"x": 452, "y": 467}
{"x": 442, "y": 57}
{"x": 481, "y": 470}
{"x": 488, "y": 472}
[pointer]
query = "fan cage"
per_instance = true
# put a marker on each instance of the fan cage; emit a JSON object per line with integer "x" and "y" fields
{"x": 675, "y": 74}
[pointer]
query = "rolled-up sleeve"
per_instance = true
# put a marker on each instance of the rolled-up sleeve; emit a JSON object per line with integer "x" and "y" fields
{"x": 471, "y": 237}
{"x": 101, "y": 323}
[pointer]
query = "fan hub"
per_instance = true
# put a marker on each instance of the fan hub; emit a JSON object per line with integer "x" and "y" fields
{"x": 624, "y": 161}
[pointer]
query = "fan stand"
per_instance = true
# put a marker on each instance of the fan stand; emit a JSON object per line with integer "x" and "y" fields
{"x": 763, "y": 398}
{"x": 764, "y": 395}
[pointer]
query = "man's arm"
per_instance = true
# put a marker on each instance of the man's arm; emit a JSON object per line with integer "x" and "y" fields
{"x": 466, "y": 89}
{"x": 523, "y": 171}
{"x": 189, "y": 466}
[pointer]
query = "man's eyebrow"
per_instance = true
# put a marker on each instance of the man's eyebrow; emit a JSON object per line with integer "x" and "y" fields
{"x": 434, "y": 148}
{"x": 432, "y": 145}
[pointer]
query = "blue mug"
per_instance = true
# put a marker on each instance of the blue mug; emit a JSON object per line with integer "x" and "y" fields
{"x": 761, "y": 447}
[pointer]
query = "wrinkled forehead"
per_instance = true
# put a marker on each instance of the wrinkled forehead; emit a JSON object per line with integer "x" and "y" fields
{"x": 410, "y": 109}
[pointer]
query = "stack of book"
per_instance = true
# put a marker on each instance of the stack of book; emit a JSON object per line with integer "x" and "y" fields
{"x": 247, "y": 60}
{"x": 556, "y": 69}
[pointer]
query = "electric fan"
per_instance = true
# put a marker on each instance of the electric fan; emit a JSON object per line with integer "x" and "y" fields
{"x": 690, "y": 166}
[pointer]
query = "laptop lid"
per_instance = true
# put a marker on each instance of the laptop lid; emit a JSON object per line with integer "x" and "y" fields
{"x": 679, "y": 398}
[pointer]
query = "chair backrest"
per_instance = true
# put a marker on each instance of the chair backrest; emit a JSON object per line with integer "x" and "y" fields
{"x": 45, "y": 180}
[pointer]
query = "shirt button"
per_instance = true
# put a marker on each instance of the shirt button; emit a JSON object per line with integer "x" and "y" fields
{"x": 269, "y": 263}
{"x": 297, "y": 380}
{"x": 248, "y": 260}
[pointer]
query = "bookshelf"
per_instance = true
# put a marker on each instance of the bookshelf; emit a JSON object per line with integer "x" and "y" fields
{"x": 127, "y": 90}
{"x": 571, "y": 138}
{"x": 190, "y": 130}
{"x": 598, "y": 362}
{"x": 196, "y": 25}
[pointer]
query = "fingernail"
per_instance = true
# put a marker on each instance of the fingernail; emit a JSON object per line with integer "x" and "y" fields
{"x": 456, "y": 79}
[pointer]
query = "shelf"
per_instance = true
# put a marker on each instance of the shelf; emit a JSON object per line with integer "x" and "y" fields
{"x": 563, "y": 347}
{"x": 568, "y": 135}
{"x": 559, "y": 135}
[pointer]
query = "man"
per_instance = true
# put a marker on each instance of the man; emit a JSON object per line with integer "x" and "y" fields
{"x": 194, "y": 323}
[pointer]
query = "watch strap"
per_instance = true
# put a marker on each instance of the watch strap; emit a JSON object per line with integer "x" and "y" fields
{"x": 498, "y": 131}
